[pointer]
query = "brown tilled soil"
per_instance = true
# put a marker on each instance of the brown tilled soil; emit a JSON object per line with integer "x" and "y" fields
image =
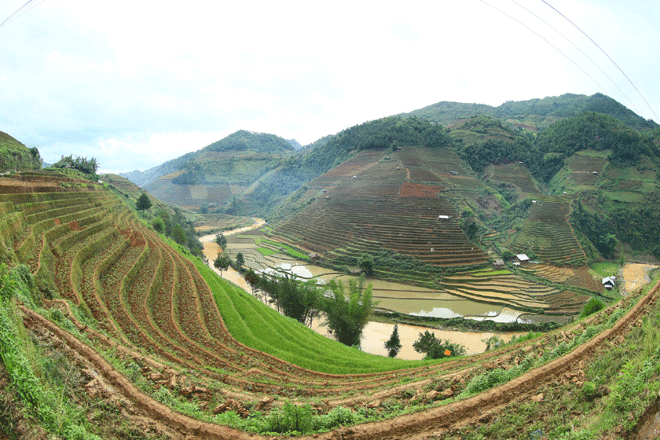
{"x": 432, "y": 422}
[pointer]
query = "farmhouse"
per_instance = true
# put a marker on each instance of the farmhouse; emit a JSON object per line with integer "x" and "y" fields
{"x": 521, "y": 259}
{"x": 609, "y": 282}
{"x": 498, "y": 263}
{"x": 443, "y": 217}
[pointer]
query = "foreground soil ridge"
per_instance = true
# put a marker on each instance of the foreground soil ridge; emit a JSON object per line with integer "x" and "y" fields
{"x": 431, "y": 421}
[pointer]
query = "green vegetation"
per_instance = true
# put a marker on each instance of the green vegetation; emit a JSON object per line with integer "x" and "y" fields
{"x": 263, "y": 328}
{"x": 82, "y": 164}
{"x": 143, "y": 202}
{"x": 348, "y": 311}
{"x": 37, "y": 379}
{"x": 393, "y": 344}
{"x": 14, "y": 156}
{"x": 293, "y": 298}
{"x": 435, "y": 348}
{"x": 594, "y": 305}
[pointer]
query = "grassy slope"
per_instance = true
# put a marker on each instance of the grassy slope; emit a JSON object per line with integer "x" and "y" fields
{"x": 15, "y": 155}
{"x": 258, "y": 326}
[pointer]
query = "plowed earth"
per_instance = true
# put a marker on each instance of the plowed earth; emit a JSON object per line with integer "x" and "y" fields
{"x": 155, "y": 303}
{"x": 432, "y": 422}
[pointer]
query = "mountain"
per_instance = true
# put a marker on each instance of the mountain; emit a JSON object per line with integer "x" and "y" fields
{"x": 534, "y": 114}
{"x": 109, "y": 329}
{"x": 16, "y": 156}
{"x": 492, "y": 170}
{"x": 217, "y": 174}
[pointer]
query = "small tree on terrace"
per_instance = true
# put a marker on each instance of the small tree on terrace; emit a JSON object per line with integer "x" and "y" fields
{"x": 221, "y": 262}
{"x": 143, "y": 202}
{"x": 436, "y": 348}
{"x": 347, "y": 312}
{"x": 240, "y": 260}
{"x": 393, "y": 345}
{"x": 252, "y": 279}
{"x": 366, "y": 263}
{"x": 221, "y": 240}
{"x": 295, "y": 299}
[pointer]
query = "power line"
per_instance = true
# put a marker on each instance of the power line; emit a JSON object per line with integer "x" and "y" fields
{"x": 581, "y": 51}
{"x": 22, "y": 10}
{"x": 605, "y": 53}
{"x": 547, "y": 41}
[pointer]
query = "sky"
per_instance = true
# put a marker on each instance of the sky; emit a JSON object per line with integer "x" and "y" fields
{"x": 136, "y": 83}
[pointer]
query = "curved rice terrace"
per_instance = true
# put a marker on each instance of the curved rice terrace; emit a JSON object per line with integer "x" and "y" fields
{"x": 547, "y": 233}
{"x": 141, "y": 309}
{"x": 368, "y": 204}
{"x": 515, "y": 174}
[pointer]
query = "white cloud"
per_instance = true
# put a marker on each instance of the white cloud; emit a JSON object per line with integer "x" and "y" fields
{"x": 138, "y": 83}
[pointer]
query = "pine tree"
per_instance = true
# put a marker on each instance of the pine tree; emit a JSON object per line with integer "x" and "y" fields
{"x": 143, "y": 202}
{"x": 393, "y": 345}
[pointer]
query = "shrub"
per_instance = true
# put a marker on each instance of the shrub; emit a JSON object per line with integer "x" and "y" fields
{"x": 592, "y": 306}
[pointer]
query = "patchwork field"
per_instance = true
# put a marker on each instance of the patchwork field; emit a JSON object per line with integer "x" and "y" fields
{"x": 188, "y": 355}
{"x": 368, "y": 205}
{"x": 547, "y": 233}
{"x": 515, "y": 174}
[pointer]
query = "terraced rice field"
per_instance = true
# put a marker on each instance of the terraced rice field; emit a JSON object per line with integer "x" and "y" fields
{"x": 508, "y": 289}
{"x": 169, "y": 323}
{"x": 547, "y": 233}
{"x": 515, "y": 174}
{"x": 384, "y": 212}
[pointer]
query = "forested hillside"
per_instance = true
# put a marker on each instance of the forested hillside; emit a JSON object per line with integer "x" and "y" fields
{"x": 573, "y": 146}
{"x": 14, "y": 156}
{"x": 534, "y": 114}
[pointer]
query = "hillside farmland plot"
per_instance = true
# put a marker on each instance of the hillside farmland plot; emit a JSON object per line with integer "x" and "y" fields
{"x": 515, "y": 174}
{"x": 378, "y": 209}
{"x": 547, "y": 233}
{"x": 168, "y": 326}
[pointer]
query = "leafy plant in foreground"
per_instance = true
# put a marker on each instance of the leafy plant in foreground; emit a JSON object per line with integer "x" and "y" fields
{"x": 347, "y": 311}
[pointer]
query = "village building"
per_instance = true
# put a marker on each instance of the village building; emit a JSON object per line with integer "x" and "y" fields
{"x": 498, "y": 263}
{"x": 520, "y": 259}
{"x": 609, "y": 282}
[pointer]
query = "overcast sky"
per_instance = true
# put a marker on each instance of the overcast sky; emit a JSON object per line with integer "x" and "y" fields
{"x": 136, "y": 83}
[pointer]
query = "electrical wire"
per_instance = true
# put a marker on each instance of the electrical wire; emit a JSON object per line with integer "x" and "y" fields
{"x": 31, "y": 4}
{"x": 548, "y": 42}
{"x": 581, "y": 51}
{"x": 605, "y": 53}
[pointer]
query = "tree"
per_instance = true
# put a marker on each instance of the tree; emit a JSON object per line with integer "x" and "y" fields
{"x": 143, "y": 202}
{"x": 366, "y": 263}
{"x": 437, "y": 348}
{"x": 82, "y": 164}
{"x": 240, "y": 260}
{"x": 493, "y": 342}
{"x": 295, "y": 299}
{"x": 393, "y": 345}
{"x": 158, "y": 224}
{"x": 179, "y": 235}
{"x": 221, "y": 262}
{"x": 221, "y": 240}
{"x": 347, "y": 311}
{"x": 252, "y": 279}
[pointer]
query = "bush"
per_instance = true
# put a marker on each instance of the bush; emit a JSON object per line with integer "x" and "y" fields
{"x": 291, "y": 419}
{"x": 592, "y": 307}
